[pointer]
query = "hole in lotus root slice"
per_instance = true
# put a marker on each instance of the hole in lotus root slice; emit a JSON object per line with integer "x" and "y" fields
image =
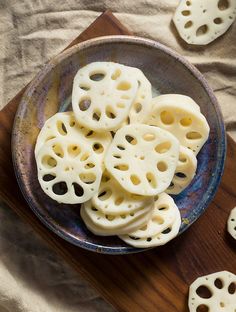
{"x": 123, "y": 86}
{"x": 119, "y": 201}
{"x": 88, "y": 178}
{"x": 116, "y": 74}
{"x": 204, "y": 292}
{"x": 96, "y": 114}
{"x": 181, "y": 175}
{"x": 60, "y": 188}
{"x": 193, "y": 135}
{"x": 202, "y": 30}
{"x": 138, "y": 107}
{"x": 135, "y": 179}
{"x": 98, "y": 148}
{"x": 97, "y": 76}
{"x": 122, "y": 167}
{"x": 186, "y": 121}
{"x": 149, "y": 136}
{"x": 120, "y": 105}
{"x": 151, "y": 179}
{"x": 78, "y": 189}
{"x": 61, "y": 128}
{"x": 84, "y": 103}
{"x": 218, "y": 21}
{"x": 73, "y": 150}
{"x": 186, "y": 13}
{"x": 167, "y": 117}
{"x": 110, "y": 112}
{"x": 163, "y": 147}
{"x": 218, "y": 283}
{"x": 84, "y": 156}
{"x": 202, "y": 308}
{"x": 130, "y": 139}
{"x": 90, "y": 133}
{"x": 232, "y": 288}
{"x": 223, "y": 4}
{"x": 89, "y": 165}
{"x": 49, "y": 177}
{"x": 105, "y": 195}
{"x": 162, "y": 166}
{"x": 120, "y": 147}
{"x": 49, "y": 161}
{"x": 84, "y": 87}
{"x": 57, "y": 149}
{"x": 105, "y": 178}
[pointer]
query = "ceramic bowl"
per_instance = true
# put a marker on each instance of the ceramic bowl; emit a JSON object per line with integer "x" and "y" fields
{"x": 50, "y": 92}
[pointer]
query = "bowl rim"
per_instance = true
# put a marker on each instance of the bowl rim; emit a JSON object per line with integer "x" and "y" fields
{"x": 221, "y": 155}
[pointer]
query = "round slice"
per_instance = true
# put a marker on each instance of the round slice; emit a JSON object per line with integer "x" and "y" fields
{"x": 188, "y": 125}
{"x": 142, "y": 103}
{"x": 63, "y": 126}
{"x": 201, "y": 22}
{"x": 185, "y": 171}
{"x": 115, "y": 222}
{"x": 114, "y": 200}
{"x": 68, "y": 172}
{"x": 159, "y": 239}
{"x": 143, "y": 159}
{"x": 125, "y": 228}
{"x": 214, "y": 292}
{"x": 163, "y": 216}
{"x": 180, "y": 100}
{"x": 102, "y": 95}
{"x": 232, "y": 223}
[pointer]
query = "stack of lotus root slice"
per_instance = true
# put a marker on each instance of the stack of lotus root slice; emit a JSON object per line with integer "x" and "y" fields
{"x": 121, "y": 154}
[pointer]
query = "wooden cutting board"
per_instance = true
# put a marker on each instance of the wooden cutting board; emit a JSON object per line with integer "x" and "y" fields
{"x": 155, "y": 280}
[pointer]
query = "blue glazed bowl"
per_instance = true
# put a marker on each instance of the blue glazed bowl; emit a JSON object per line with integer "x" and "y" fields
{"x": 50, "y": 92}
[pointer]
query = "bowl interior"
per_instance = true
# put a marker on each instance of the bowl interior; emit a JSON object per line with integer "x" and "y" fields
{"x": 50, "y": 92}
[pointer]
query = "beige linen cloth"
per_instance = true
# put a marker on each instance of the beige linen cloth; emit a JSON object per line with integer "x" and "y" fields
{"x": 32, "y": 277}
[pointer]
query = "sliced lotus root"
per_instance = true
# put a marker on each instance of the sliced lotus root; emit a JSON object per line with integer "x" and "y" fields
{"x": 201, "y": 22}
{"x": 115, "y": 222}
{"x": 188, "y": 125}
{"x": 213, "y": 293}
{"x": 102, "y": 95}
{"x": 232, "y": 223}
{"x": 142, "y": 103}
{"x": 185, "y": 171}
{"x": 158, "y": 239}
{"x": 180, "y": 100}
{"x": 68, "y": 171}
{"x": 163, "y": 216}
{"x": 64, "y": 126}
{"x": 97, "y": 229}
{"x": 114, "y": 200}
{"x": 143, "y": 158}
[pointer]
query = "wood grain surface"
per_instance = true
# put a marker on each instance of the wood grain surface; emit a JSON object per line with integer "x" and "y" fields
{"x": 156, "y": 280}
